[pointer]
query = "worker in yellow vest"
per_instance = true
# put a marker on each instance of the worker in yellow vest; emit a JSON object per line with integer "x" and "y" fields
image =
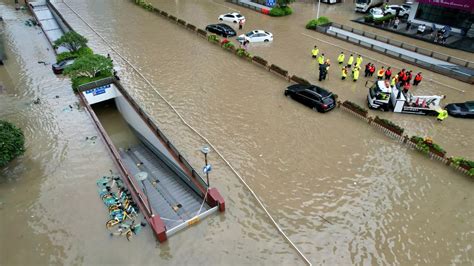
{"x": 355, "y": 73}
{"x": 350, "y": 61}
{"x": 380, "y": 73}
{"x": 321, "y": 59}
{"x": 315, "y": 51}
{"x": 344, "y": 73}
{"x": 341, "y": 58}
{"x": 359, "y": 61}
{"x": 442, "y": 114}
{"x": 394, "y": 80}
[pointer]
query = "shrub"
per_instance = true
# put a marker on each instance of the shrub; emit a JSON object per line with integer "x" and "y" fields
{"x": 280, "y": 11}
{"x": 213, "y": 38}
{"x": 356, "y": 108}
{"x": 427, "y": 144}
{"x": 242, "y": 53}
{"x": 12, "y": 142}
{"x": 369, "y": 18}
{"x": 317, "y": 22}
{"x": 228, "y": 45}
{"x": 389, "y": 124}
{"x": 384, "y": 18}
{"x": 466, "y": 164}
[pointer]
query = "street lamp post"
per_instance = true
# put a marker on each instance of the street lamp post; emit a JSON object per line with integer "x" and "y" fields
{"x": 317, "y": 13}
{"x": 142, "y": 176}
{"x": 207, "y": 167}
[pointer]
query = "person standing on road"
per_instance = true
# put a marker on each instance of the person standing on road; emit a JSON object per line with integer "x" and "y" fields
{"x": 394, "y": 81}
{"x": 367, "y": 70}
{"x": 442, "y": 114}
{"x": 315, "y": 52}
{"x": 350, "y": 61}
{"x": 322, "y": 71}
{"x": 355, "y": 73}
{"x": 396, "y": 23}
{"x": 359, "y": 61}
{"x": 380, "y": 73}
{"x": 328, "y": 64}
{"x": 401, "y": 75}
{"x": 321, "y": 59}
{"x": 372, "y": 70}
{"x": 388, "y": 73}
{"x": 409, "y": 76}
{"x": 344, "y": 73}
{"x": 417, "y": 79}
{"x": 340, "y": 58}
{"x": 241, "y": 24}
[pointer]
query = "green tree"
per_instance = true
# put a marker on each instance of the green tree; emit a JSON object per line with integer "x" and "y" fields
{"x": 90, "y": 66}
{"x": 72, "y": 41}
{"x": 284, "y": 3}
{"x": 12, "y": 142}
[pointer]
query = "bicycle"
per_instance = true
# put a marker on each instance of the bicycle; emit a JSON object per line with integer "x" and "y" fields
{"x": 128, "y": 230}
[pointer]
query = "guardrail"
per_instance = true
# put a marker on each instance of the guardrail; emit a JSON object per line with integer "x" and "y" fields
{"x": 465, "y": 77}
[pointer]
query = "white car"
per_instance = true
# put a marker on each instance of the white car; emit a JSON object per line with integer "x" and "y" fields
{"x": 392, "y": 9}
{"x": 232, "y": 17}
{"x": 376, "y": 12}
{"x": 256, "y": 36}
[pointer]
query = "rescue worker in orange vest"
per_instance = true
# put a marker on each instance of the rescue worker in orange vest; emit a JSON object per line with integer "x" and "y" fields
{"x": 380, "y": 73}
{"x": 417, "y": 79}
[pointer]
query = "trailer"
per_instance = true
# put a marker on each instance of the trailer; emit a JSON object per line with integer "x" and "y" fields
{"x": 392, "y": 98}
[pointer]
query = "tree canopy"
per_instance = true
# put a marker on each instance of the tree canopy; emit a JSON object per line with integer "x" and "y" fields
{"x": 90, "y": 66}
{"x": 12, "y": 142}
{"x": 72, "y": 41}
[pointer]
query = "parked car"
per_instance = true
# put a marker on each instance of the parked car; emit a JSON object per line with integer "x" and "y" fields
{"x": 376, "y": 12}
{"x": 393, "y": 9}
{"x": 407, "y": 7}
{"x": 221, "y": 29}
{"x": 59, "y": 67}
{"x": 256, "y": 36}
{"x": 312, "y": 96}
{"x": 463, "y": 110}
{"x": 232, "y": 17}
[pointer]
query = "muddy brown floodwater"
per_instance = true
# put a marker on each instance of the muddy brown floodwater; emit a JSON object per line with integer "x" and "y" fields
{"x": 343, "y": 192}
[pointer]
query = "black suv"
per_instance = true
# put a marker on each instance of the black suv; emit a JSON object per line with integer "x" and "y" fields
{"x": 313, "y": 96}
{"x": 221, "y": 29}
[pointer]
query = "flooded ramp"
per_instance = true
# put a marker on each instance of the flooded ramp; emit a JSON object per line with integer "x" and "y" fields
{"x": 168, "y": 196}
{"x": 170, "y": 193}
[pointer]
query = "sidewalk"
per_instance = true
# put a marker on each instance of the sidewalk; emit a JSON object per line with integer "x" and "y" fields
{"x": 455, "y": 40}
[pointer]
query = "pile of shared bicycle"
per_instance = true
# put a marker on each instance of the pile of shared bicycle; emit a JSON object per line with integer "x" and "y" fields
{"x": 123, "y": 212}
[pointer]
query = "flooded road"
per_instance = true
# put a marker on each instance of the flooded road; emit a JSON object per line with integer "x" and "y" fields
{"x": 344, "y": 193}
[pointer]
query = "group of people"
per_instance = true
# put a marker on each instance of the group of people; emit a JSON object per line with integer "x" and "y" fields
{"x": 401, "y": 79}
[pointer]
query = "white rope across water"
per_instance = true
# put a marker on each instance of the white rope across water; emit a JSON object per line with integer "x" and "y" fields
{"x": 200, "y": 135}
